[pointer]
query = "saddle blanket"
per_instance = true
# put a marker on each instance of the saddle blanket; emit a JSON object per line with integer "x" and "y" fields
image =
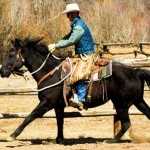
{"x": 105, "y": 72}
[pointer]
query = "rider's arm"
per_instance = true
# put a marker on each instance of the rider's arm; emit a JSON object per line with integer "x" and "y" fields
{"x": 74, "y": 37}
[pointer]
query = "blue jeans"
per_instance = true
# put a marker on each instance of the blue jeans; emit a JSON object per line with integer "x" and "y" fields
{"x": 81, "y": 90}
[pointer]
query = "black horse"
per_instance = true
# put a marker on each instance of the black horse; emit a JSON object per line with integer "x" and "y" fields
{"x": 125, "y": 87}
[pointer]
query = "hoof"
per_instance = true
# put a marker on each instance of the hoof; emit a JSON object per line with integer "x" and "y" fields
{"x": 111, "y": 141}
{"x": 10, "y": 139}
{"x": 59, "y": 141}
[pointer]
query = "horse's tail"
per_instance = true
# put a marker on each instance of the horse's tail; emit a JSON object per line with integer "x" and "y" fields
{"x": 144, "y": 76}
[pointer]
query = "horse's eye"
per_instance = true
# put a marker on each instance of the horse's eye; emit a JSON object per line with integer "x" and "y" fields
{"x": 12, "y": 54}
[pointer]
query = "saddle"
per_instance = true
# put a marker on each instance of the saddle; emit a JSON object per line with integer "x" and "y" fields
{"x": 85, "y": 70}
{"x": 96, "y": 71}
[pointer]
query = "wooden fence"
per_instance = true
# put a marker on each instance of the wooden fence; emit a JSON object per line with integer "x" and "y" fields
{"x": 139, "y": 62}
{"x": 136, "y": 55}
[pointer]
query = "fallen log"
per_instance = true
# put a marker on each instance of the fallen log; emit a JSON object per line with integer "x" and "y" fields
{"x": 145, "y": 62}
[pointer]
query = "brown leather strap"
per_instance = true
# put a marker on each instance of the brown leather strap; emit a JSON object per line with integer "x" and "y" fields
{"x": 45, "y": 76}
{"x": 88, "y": 99}
{"x": 48, "y": 74}
{"x": 64, "y": 93}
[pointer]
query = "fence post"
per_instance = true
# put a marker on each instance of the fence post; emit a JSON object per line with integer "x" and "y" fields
{"x": 141, "y": 47}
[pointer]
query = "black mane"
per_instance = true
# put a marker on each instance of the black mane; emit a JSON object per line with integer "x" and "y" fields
{"x": 35, "y": 44}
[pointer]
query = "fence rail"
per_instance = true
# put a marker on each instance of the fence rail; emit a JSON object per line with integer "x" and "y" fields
{"x": 140, "y": 45}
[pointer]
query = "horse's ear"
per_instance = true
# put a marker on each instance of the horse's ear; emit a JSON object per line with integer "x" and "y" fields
{"x": 31, "y": 43}
{"x": 17, "y": 43}
{"x": 13, "y": 42}
{"x": 37, "y": 41}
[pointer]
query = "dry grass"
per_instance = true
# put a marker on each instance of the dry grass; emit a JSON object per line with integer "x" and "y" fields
{"x": 117, "y": 21}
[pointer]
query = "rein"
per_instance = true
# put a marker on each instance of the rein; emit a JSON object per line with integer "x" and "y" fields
{"x": 56, "y": 68}
{"x": 41, "y": 65}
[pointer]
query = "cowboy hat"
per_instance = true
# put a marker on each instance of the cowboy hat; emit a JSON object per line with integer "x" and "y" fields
{"x": 73, "y": 7}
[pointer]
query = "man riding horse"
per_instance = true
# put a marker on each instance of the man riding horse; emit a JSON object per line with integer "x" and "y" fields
{"x": 81, "y": 37}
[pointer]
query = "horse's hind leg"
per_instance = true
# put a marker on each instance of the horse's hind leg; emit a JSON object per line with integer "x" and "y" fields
{"x": 123, "y": 116}
{"x": 143, "y": 107}
{"x": 39, "y": 111}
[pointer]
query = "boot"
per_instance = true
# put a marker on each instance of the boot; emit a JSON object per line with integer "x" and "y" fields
{"x": 74, "y": 102}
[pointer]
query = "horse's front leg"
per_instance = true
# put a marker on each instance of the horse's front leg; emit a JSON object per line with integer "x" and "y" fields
{"x": 59, "y": 110}
{"x": 39, "y": 111}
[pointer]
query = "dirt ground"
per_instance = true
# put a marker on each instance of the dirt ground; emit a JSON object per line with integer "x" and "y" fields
{"x": 88, "y": 133}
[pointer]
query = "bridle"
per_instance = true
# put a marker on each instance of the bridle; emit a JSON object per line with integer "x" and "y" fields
{"x": 18, "y": 55}
{"x": 24, "y": 74}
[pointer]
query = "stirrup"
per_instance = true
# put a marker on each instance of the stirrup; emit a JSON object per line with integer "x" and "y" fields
{"x": 76, "y": 104}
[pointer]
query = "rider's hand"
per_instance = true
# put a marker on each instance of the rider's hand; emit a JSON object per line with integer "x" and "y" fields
{"x": 52, "y": 47}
